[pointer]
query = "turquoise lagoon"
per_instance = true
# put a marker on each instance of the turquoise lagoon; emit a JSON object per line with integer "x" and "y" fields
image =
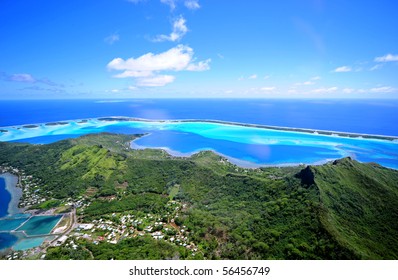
{"x": 244, "y": 145}
{"x": 28, "y": 243}
{"x": 10, "y": 223}
{"x": 16, "y": 228}
{"x": 40, "y": 225}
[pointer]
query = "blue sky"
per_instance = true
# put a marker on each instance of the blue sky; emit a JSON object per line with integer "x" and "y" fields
{"x": 198, "y": 48}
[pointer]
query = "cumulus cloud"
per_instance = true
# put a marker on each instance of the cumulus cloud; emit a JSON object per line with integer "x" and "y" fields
{"x": 146, "y": 68}
{"x": 175, "y": 59}
{"x": 179, "y": 30}
{"x": 387, "y": 58}
{"x": 343, "y": 69}
{"x": 253, "y": 77}
{"x": 192, "y": 4}
{"x": 112, "y": 39}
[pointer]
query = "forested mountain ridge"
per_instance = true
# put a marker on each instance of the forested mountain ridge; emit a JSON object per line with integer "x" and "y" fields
{"x": 340, "y": 210}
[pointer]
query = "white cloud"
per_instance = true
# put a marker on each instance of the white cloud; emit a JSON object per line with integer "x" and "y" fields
{"x": 25, "y": 78}
{"x": 135, "y": 1}
{"x": 135, "y": 74}
{"x": 146, "y": 68}
{"x": 176, "y": 59}
{"x": 179, "y": 30}
{"x": 192, "y": 4}
{"x": 200, "y": 66}
{"x": 343, "y": 69}
{"x": 387, "y": 58}
{"x": 170, "y": 3}
{"x": 112, "y": 39}
{"x": 268, "y": 88}
{"x": 253, "y": 77}
{"x": 383, "y": 89}
{"x": 309, "y": 82}
{"x": 267, "y": 77}
{"x": 325, "y": 90}
{"x": 155, "y": 81}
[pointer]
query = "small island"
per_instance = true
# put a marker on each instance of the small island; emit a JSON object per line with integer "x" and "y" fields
{"x": 56, "y": 123}
{"x": 30, "y": 126}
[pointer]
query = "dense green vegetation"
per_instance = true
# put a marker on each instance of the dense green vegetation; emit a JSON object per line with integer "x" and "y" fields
{"x": 359, "y": 204}
{"x": 341, "y": 210}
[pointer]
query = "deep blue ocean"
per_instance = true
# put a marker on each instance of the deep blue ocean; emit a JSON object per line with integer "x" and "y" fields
{"x": 360, "y": 116}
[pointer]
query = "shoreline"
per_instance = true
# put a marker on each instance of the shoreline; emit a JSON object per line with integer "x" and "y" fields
{"x": 332, "y": 133}
{"x": 238, "y": 162}
{"x": 11, "y": 182}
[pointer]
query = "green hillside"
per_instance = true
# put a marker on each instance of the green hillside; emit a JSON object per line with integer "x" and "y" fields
{"x": 340, "y": 210}
{"x": 359, "y": 203}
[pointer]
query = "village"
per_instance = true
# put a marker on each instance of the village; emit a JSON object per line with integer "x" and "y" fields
{"x": 110, "y": 228}
{"x": 118, "y": 226}
{"x": 31, "y": 194}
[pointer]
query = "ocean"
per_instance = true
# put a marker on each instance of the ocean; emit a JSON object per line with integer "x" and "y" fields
{"x": 360, "y": 116}
{"x": 245, "y": 146}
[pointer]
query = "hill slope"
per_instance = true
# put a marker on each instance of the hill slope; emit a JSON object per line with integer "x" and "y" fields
{"x": 360, "y": 206}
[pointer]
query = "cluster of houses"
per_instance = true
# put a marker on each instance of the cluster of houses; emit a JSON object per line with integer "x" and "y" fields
{"x": 30, "y": 187}
{"x": 21, "y": 255}
{"x": 116, "y": 227}
{"x": 16, "y": 255}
